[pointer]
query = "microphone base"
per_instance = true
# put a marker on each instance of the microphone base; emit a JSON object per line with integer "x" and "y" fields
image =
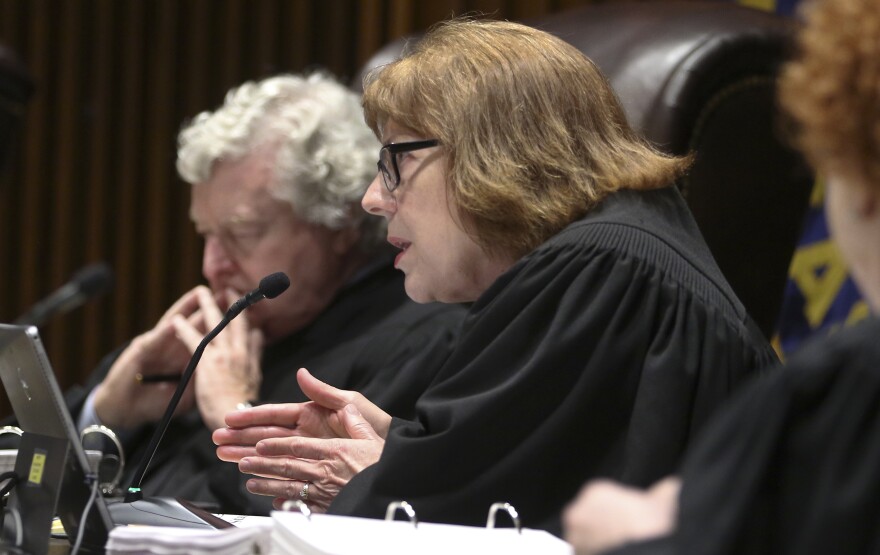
{"x": 164, "y": 511}
{"x": 133, "y": 494}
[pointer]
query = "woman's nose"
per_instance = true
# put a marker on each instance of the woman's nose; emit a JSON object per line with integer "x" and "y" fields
{"x": 378, "y": 201}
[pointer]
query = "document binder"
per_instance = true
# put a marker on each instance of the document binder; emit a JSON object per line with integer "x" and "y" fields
{"x": 297, "y": 533}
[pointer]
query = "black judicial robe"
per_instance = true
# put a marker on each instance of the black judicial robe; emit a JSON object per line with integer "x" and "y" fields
{"x": 600, "y": 353}
{"x": 793, "y": 464}
{"x": 366, "y": 340}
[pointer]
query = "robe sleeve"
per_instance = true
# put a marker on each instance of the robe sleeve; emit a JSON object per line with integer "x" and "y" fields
{"x": 792, "y": 465}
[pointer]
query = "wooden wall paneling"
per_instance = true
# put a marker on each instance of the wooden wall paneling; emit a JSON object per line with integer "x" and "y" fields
{"x": 400, "y": 18}
{"x": 195, "y": 97}
{"x": 31, "y": 215}
{"x": 296, "y": 49}
{"x": 64, "y": 187}
{"x": 230, "y": 45}
{"x": 370, "y": 35}
{"x": 129, "y": 136}
{"x": 154, "y": 233}
{"x": 264, "y": 47}
{"x": 524, "y": 11}
{"x": 12, "y": 191}
{"x": 333, "y": 45}
{"x": 98, "y": 106}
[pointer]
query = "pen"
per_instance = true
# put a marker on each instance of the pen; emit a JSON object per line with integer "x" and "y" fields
{"x": 156, "y": 378}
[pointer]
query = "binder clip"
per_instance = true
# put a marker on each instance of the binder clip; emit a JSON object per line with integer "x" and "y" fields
{"x": 291, "y": 505}
{"x": 395, "y": 506}
{"x": 507, "y": 508}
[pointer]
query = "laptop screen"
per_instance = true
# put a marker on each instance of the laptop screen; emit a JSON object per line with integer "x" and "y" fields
{"x": 39, "y": 407}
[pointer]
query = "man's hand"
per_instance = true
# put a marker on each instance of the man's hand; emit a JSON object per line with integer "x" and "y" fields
{"x": 124, "y": 402}
{"x": 229, "y": 372}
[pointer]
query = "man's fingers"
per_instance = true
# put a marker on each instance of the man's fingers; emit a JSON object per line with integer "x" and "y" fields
{"x": 185, "y": 305}
{"x": 255, "y": 344}
{"x": 209, "y": 307}
{"x": 187, "y": 334}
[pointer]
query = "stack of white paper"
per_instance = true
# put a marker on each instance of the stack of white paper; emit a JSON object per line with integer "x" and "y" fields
{"x": 156, "y": 540}
{"x": 295, "y": 534}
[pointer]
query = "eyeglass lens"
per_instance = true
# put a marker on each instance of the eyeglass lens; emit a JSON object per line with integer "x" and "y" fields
{"x": 388, "y": 169}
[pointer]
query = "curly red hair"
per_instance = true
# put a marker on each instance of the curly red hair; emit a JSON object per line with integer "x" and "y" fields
{"x": 832, "y": 88}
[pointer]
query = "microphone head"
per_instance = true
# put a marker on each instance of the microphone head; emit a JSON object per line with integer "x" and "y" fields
{"x": 94, "y": 279}
{"x": 274, "y": 284}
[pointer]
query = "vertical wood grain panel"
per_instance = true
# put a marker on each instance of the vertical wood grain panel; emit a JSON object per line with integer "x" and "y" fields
{"x": 30, "y": 219}
{"x": 158, "y": 150}
{"x": 64, "y": 215}
{"x": 195, "y": 97}
{"x": 98, "y": 106}
{"x": 128, "y": 178}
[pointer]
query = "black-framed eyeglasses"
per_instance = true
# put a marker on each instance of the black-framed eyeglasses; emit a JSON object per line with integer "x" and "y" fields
{"x": 388, "y": 160}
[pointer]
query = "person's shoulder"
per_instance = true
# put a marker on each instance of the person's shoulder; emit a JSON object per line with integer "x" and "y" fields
{"x": 654, "y": 228}
{"x": 854, "y": 347}
{"x": 637, "y": 222}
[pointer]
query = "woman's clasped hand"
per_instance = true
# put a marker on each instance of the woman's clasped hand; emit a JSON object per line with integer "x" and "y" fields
{"x": 305, "y": 451}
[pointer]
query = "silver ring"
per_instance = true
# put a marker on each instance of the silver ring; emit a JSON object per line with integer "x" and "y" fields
{"x": 304, "y": 493}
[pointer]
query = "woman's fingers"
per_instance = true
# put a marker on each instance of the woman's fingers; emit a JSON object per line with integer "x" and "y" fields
{"x": 315, "y": 495}
{"x": 322, "y": 393}
{"x": 234, "y": 453}
{"x": 250, "y": 436}
{"x": 286, "y": 414}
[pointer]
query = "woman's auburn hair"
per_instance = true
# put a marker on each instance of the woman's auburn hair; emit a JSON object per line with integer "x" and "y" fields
{"x": 534, "y": 135}
{"x": 831, "y": 89}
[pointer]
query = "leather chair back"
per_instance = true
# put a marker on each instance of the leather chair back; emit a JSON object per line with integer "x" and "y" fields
{"x": 700, "y": 77}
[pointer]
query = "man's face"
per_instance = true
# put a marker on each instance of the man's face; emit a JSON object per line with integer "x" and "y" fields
{"x": 250, "y": 234}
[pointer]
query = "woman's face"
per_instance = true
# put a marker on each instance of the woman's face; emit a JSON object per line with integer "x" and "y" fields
{"x": 441, "y": 262}
{"x": 854, "y": 219}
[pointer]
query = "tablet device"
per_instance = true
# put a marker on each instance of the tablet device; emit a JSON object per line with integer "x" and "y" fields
{"x": 40, "y": 408}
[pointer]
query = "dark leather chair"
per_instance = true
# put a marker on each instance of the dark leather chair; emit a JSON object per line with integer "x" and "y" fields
{"x": 700, "y": 77}
{"x": 16, "y": 87}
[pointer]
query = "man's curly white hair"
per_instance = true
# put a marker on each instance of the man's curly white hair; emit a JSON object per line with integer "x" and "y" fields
{"x": 326, "y": 154}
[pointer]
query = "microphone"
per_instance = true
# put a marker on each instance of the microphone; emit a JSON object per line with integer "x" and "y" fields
{"x": 270, "y": 287}
{"x": 88, "y": 282}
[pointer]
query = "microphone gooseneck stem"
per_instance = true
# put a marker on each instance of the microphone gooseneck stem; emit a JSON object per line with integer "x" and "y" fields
{"x": 134, "y": 490}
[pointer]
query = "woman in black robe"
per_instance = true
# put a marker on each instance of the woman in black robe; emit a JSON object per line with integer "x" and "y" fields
{"x": 601, "y": 333}
{"x": 793, "y": 464}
